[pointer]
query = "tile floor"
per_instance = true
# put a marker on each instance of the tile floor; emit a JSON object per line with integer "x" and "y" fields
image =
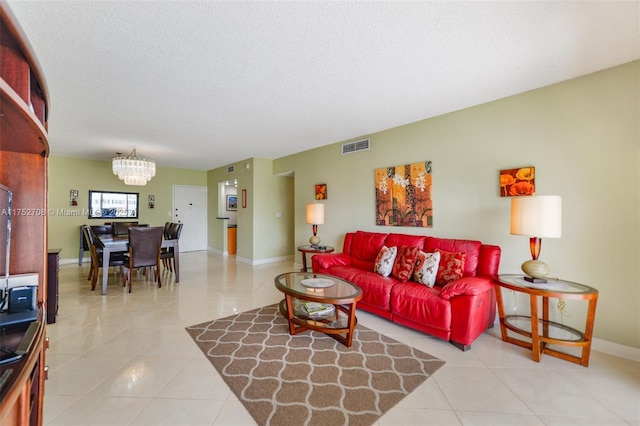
{"x": 125, "y": 359}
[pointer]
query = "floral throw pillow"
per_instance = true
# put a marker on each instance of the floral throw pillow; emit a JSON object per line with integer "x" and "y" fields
{"x": 426, "y": 268}
{"x": 451, "y": 266}
{"x": 384, "y": 260}
{"x": 405, "y": 260}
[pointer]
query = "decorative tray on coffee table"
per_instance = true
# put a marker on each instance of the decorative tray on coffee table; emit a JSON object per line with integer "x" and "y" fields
{"x": 317, "y": 282}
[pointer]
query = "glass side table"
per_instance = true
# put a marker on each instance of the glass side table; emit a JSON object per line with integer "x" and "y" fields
{"x": 540, "y": 329}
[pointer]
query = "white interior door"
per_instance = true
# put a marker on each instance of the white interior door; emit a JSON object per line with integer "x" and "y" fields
{"x": 190, "y": 209}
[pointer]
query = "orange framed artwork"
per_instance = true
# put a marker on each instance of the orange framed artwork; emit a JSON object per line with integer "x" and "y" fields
{"x": 403, "y": 195}
{"x": 518, "y": 182}
{"x": 321, "y": 191}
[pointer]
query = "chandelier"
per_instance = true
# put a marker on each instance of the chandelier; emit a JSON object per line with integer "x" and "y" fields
{"x": 133, "y": 170}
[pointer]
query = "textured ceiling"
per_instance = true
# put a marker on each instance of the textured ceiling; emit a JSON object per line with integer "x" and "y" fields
{"x": 207, "y": 83}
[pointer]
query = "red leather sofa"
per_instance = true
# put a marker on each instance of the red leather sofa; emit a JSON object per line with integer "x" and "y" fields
{"x": 457, "y": 312}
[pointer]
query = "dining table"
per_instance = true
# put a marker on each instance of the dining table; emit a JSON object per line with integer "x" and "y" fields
{"x": 120, "y": 243}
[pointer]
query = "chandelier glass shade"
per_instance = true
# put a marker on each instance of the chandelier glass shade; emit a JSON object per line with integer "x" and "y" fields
{"x": 133, "y": 170}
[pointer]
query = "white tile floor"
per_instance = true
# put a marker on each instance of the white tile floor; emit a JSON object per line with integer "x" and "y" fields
{"x": 125, "y": 359}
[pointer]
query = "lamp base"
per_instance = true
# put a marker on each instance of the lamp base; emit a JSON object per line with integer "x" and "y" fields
{"x": 535, "y": 269}
{"x": 314, "y": 240}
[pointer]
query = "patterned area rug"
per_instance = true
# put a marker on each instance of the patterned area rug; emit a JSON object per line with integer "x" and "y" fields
{"x": 310, "y": 378}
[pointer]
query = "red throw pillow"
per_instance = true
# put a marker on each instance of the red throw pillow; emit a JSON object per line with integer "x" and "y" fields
{"x": 451, "y": 267}
{"x": 405, "y": 260}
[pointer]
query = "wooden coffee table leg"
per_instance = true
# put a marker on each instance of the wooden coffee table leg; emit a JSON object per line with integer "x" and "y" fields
{"x": 290, "y": 313}
{"x": 351, "y": 324}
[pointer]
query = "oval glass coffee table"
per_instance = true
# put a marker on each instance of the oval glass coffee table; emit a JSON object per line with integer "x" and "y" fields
{"x": 302, "y": 288}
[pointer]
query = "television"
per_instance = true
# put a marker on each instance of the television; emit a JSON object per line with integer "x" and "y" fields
{"x": 5, "y": 238}
{"x": 113, "y": 205}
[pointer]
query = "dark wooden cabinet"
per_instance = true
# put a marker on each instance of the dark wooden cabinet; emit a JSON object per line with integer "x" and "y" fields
{"x": 24, "y": 151}
{"x": 53, "y": 282}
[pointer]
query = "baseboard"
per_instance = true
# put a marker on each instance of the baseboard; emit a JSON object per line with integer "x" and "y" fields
{"x": 616, "y": 349}
{"x": 255, "y": 262}
{"x": 75, "y": 261}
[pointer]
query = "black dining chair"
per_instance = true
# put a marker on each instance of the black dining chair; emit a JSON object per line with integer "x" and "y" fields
{"x": 167, "y": 229}
{"x": 145, "y": 244}
{"x": 95, "y": 248}
{"x": 167, "y": 254}
{"x": 122, "y": 228}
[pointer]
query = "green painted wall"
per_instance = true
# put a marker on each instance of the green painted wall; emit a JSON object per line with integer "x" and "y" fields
{"x": 265, "y": 226}
{"x": 67, "y": 173}
{"x": 583, "y": 138}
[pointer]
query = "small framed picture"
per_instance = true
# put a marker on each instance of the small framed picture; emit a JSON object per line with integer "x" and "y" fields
{"x": 232, "y": 202}
{"x": 321, "y": 191}
{"x": 152, "y": 201}
{"x": 73, "y": 197}
{"x": 518, "y": 182}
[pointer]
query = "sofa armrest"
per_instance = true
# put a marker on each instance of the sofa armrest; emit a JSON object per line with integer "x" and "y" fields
{"x": 324, "y": 261}
{"x": 470, "y": 286}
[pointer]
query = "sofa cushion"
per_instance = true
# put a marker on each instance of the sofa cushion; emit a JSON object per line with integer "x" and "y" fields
{"x": 405, "y": 260}
{"x": 376, "y": 289}
{"x": 405, "y": 240}
{"x": 426, "y": 268}
{"x": 346, "y": 272}
{"x": 470, "y": 248}
{"x": 451, "y": 267}
{"x": 385, "y": 260}
{"x": 422, "y": 304}
{"x": 365, "y": 247}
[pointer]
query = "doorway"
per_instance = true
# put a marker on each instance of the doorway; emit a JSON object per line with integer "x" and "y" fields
{"x": 190, "y": 209}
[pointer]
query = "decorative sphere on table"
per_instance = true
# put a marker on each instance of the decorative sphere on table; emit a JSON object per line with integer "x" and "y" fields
{"x": 314, "y": 240}
{"x": 535, "y": 268}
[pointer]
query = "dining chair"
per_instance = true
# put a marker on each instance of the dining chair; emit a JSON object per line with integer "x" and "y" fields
{"x": 95, "y": 248}
{"x": 121, "y": 228}
{"x": 167, "y": 229}
{"x": 145, "y": 244}
{"x": 167, "y": 254}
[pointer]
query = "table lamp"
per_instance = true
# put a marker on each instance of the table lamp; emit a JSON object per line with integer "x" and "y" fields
{"x": 315, "y": 217}
{"x": 537, "y": 216}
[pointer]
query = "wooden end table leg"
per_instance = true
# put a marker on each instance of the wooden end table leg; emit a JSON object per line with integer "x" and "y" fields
{"x": 535, "y": 333}
{"x": 588, "y": 332}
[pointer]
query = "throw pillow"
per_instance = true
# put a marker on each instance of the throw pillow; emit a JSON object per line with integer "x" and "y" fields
{"x": 385, "y": 260}
{"x": 426, "y": 268}
{"x": 405, "y": 260}
{"x": 451, "y": 266}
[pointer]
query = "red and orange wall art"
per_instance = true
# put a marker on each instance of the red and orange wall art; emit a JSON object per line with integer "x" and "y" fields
{"x": 403, "y": 195}
{"x": 321, "y": 191}
{"x": 517, "y": 182}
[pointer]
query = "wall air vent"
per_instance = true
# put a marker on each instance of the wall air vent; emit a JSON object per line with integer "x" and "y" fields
{"x": 230, "y": 169}
{"x": 361, "y": 145}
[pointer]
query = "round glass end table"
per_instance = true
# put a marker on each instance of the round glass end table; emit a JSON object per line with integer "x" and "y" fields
{"x": 538, "y": 328}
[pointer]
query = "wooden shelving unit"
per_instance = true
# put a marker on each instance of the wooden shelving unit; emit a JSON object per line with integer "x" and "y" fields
{"x": 24, "y": 151}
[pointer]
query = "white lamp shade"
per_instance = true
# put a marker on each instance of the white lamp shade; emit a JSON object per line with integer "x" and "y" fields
{"x": 537, "y": 216}
{"x": 315, "y": 214}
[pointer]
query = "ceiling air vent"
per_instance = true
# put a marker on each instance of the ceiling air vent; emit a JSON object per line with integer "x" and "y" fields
{"x": 361, "y": 145}
{"x": 230, "y": 169}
